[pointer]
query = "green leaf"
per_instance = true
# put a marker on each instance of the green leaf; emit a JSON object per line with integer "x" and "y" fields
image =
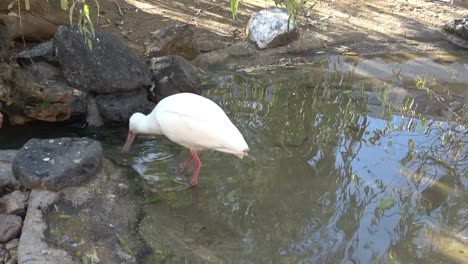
{"x": 70, "y": 14}
{"x": 84, "y": 259}
{"x": 90, "y": 44}
{"x": 423, "y": 121}
{"x": 411, "y": 144}
{"x": 385, "y": 204}
{"x": 411, "y": 153}
{"x": 86, "y": 11}
{"x": 64, "y": 216}
{"x": 64, "y": 4}
{"x": 125, "y": 245}
{"x": 91, "y": 26}
{"x": 150, "y": 200}
{"x": 385, "y": 93}
{"x": 234, "y": 6}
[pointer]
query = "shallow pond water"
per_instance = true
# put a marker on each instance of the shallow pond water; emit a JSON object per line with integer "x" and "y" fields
{"x": 342, "y": 168}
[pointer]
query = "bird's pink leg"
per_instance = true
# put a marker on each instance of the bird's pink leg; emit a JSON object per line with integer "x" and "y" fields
{"x": 185, "y": 165}
{"x": 194, "y": 156}
{"x": 193, "y": 183}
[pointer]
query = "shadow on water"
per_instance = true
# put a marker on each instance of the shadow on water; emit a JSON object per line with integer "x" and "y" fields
{"x": 344, "y": 168}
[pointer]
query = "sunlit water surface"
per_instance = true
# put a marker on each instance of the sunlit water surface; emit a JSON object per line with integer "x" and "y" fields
{"x": 331, "y": 177}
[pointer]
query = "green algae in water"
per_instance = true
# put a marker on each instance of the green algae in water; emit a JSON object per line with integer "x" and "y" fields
{"x": 61, "y": 224}
{"x": 125, "y": 245}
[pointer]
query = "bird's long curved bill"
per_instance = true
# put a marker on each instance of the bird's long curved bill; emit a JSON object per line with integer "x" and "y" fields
{"x": 128, "y": 143}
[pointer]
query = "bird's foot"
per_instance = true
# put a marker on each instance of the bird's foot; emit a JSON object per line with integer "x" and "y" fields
{"x": 178, "y": 169}
{"x": 183, "y": 186}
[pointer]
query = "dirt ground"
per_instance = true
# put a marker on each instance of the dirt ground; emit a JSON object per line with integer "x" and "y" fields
{"x": 361, "y": 26}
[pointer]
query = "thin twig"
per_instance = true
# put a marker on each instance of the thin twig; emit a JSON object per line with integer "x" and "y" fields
{"x": 118, "y": 6}
{"x": 21, "y": 23}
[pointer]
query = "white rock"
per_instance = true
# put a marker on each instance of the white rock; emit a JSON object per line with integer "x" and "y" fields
{"x": 269, "y": 28}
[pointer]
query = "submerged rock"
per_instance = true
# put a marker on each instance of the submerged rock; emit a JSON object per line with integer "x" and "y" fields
{"x": 173, "y": 40}
{"x": 271, "y": 28}
{"x": 32, "y": 247}
{"x": 172, "y": 75}
{"x": 109, "y": 67}
{"x": 57, "y": 163}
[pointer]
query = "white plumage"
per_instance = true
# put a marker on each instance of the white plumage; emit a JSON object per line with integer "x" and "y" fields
{"x": 192, "y": 121}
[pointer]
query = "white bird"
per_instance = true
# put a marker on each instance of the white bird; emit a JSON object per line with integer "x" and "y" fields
{"x": 192, "y": 121}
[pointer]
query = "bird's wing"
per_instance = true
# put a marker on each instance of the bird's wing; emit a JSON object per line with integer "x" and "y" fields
{"x": 191, "y": 105}
{"x": 196, "y": 133}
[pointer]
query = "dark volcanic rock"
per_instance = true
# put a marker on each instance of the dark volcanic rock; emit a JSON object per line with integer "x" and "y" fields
{"x": 42, "y": 52}
{"x": 119, "y": 107}
{"x": 57, "y": 163}
{"x": 109, "y": 67}
{"x": 79, "y": 105}
{"x": 4, "y": 41}
{"x": 172, "y": 75}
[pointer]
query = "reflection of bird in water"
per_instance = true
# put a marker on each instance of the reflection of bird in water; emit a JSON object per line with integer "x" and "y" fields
{"x": 192, "y": 121}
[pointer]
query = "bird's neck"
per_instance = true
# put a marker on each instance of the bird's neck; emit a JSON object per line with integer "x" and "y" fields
{"x": 149, "y": 126}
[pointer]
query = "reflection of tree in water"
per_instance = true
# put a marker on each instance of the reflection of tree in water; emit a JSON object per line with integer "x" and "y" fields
{"x": 310, "y": 198}
{"x": 303, "y": 129}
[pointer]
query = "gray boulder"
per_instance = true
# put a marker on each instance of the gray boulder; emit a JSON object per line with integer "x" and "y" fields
{"x": 176, "y": 39}
{"x": 119, "y": 107}
{"x": 32, "y": 247}
{"x": 57, "y": 163}
{"x": 79, "y": 105}
{"x": 12, "y": 247}
{"x": 8, "y": 183}
{"x": 3, "y": 253}
{"x": 172, "y": 75}
{"x": 10, "y": 227}
{"x": 99, "y": 219}
{"x": 271, "y": 28}
{"x": 14, "y": 203}
{"x": 109, "y": 67}
{"x": 43, "y": 52}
